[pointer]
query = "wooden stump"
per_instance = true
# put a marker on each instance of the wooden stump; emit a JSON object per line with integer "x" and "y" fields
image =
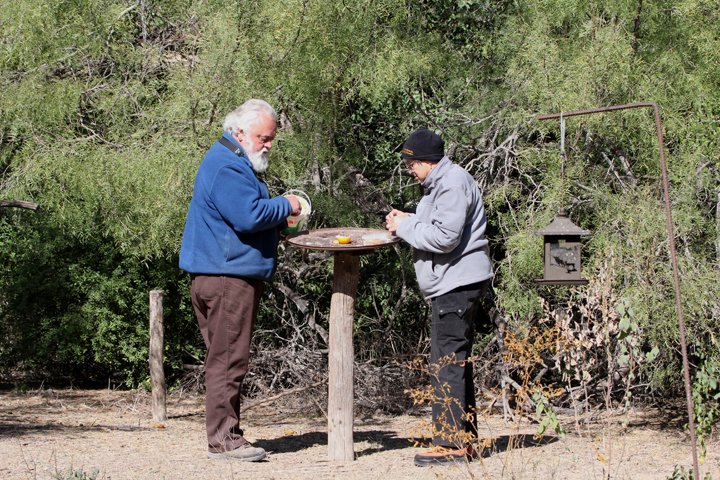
{"x": 157, "y": 374}
{"x": 342, "y": 357}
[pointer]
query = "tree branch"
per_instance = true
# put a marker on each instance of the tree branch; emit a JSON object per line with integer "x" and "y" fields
{"x": 282, "y": 394}
{"x": 20, "y": 204}
{"x": 302, "y": 305}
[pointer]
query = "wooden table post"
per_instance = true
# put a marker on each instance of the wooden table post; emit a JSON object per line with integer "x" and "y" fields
{"x": 342, "y": 357}
{"x": 157, "y": 374}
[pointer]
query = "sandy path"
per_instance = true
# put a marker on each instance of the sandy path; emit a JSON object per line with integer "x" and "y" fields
{"x": 43, "y": 434}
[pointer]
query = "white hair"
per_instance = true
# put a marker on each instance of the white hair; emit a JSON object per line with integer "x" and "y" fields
{"x": 245, "y": 116}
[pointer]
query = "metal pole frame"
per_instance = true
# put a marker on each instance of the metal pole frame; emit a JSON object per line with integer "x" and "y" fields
{"x": 673, "y": 256}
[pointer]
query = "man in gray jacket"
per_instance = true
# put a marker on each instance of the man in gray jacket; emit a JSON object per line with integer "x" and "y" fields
{"x": 453, "y": 268}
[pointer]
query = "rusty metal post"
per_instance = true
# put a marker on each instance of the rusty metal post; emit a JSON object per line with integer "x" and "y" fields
{"x": 673, "y": 255}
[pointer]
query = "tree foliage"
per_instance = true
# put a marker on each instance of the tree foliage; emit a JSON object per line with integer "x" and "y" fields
{"x": 108, "y": 107}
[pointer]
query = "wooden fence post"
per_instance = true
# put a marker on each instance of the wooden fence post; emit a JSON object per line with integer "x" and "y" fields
{"x": 157, "y": 374}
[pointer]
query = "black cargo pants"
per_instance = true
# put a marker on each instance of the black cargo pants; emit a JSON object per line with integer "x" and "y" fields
{"x": 451, "y": 373}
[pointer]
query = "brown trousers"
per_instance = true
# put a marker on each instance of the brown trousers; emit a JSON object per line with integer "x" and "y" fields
{"x": 226, "y": 308}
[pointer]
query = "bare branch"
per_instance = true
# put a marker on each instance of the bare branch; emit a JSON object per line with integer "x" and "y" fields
{"x": 20, "y": 204}
{"x": 265, "y": 401}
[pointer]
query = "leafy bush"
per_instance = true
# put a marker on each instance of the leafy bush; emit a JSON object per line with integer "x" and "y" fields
{"x": 70, "y": 304}
{"x": 107, "y": 110}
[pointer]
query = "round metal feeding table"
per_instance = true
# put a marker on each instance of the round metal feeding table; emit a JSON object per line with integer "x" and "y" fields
{"x": 342, "y": 312}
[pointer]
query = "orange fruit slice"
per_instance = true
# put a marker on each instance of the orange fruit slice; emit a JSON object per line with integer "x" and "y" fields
{"x": 342, "y": 239}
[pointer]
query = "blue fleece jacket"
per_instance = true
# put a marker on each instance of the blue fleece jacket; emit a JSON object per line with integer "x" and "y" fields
{"x": 232, "y": 223}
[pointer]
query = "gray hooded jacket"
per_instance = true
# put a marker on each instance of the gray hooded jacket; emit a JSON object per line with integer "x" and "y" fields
{"x": 448, "y": 232}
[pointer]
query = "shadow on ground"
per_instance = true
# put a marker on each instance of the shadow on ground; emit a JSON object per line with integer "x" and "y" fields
{"x": 14, "y": 428}
{"x": 503, "y": 443}
{"x": 382, "y": 441}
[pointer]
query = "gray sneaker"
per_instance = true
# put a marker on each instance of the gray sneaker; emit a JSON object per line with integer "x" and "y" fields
{"x": 244, "y": 453}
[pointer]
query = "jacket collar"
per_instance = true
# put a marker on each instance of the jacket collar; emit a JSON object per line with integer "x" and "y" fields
{"x": 235, "y": 142}
{"x": 437, "y": 173}
{"x": 244, "y": 156}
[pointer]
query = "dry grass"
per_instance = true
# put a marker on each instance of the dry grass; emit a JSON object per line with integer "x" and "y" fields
{"x": 45, "y": 432}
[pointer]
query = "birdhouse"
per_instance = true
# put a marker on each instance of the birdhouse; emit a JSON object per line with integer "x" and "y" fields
{"x": 561, "y": 255}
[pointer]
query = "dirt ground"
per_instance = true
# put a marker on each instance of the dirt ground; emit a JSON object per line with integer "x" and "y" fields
{"x": 45, "y": 433}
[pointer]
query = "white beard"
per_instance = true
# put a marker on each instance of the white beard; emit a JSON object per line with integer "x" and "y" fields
{"x": 259, "y": 160}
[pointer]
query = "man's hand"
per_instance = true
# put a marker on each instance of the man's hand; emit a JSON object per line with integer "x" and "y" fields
{"x": 393, "y": 219}
{"x": 295, "y": 204}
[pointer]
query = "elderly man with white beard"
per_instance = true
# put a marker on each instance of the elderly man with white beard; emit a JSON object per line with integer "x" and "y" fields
{"x": 229, "y": 247}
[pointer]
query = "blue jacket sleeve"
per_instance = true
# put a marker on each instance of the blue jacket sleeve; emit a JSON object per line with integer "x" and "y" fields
{"x": 243, "y": 201}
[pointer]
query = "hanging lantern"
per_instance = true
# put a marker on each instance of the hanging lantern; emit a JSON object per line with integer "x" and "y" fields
{"x": 561, "y": 255}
